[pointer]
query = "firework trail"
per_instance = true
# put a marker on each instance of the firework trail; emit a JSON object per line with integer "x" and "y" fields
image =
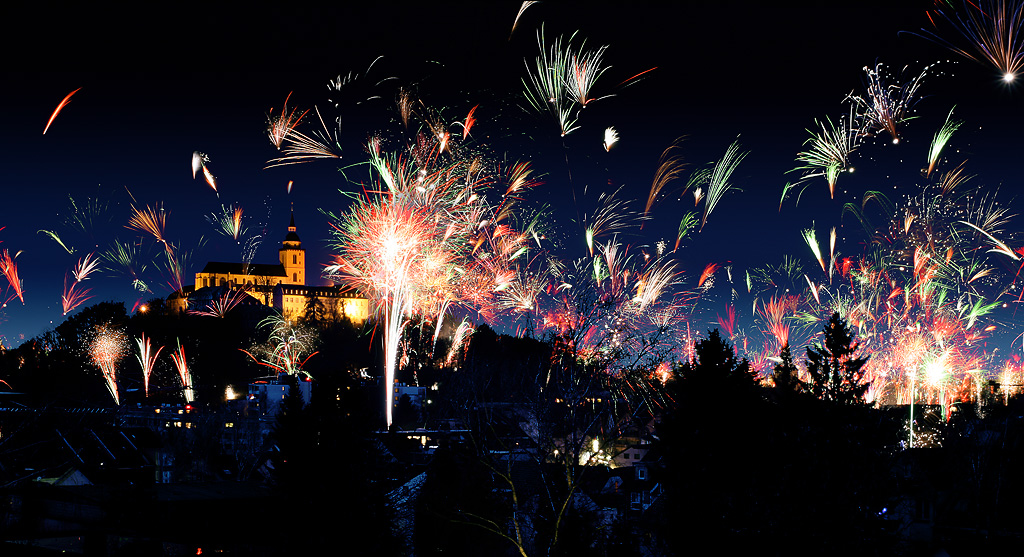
{"x": 60, "y": 107}
{"x": 56, "y": 238}
{"x": 343, "y": 83}
{"x": 687, "y": 224}
{"x": 9, "y": 269}
{"x": 81, "y": 222}
{"x": 210, "y": 179}
{"x": 462, "y": 332}
{"x": 298, "y": 147}
{"x": 519, "y": 14}
{"x": 611, "y": 137}
{"x": 991, "y": 29}
{"x": 174, "y": 268}
{"x": 124, "y": 259}
{"x": 147, "y": 358}
{"x": 199, "y": 160}
{"x": 278, "y": 127}
{"x": 75, "y": 295}
{"x": 150, "y": 221}
{"x": 887, "y": 105}
{"x": 718, "y": 180}
{"x": 612, "y": 215}
{"x": 85, "y": 267}
{"x": 560, "y": 81}
{"x": 940, "y": 139}
{"x": 404, "y": 102}
{"x": 585, "y": 67}
{"x": 225, "y": 300}
{"x": 106, "y": 350}
{"x": 181, "y": 364}
{"x": 468, "y": 123}
{"x": 228, "y": 221}
{"x": 828, "y": 155}
{"x": 670, "y": 167}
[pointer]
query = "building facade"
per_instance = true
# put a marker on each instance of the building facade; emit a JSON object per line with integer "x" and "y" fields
{"x": 281, "y": 286}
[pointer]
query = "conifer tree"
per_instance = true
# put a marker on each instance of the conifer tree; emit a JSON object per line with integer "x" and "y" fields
{"x": 837, "y": 375}
{"x": 785, "y": 373}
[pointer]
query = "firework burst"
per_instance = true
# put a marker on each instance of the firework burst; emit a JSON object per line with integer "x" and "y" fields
{"x": 886, "y": 106}
{"x": 828, "y": 156}
{"x": 991, "y": 29}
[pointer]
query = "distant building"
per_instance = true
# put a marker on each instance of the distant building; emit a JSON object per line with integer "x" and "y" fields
{"x": 265, "y": 397}
{"x": 281, "y": 286}
{"x": 416, "y": 394}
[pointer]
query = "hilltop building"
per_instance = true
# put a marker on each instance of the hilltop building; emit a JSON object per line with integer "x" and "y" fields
{"x": 281, "y": 286}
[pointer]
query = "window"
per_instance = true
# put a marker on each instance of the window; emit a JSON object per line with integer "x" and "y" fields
{"x": 625, "y": 456}
{"x": 641, "y": 473}
{"x": 295, "y": 259}
{"x": 295, "y": 277}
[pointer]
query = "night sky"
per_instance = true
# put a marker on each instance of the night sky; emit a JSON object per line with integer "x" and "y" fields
{"x": 156, "y": 87}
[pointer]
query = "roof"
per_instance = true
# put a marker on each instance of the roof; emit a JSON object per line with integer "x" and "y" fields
{"x": 257, "y": 269}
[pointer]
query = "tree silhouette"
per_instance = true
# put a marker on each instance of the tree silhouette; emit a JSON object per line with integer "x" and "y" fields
{"x": 785, "y": 373}
{"x": 708, "y": 439}
{"x": 716, "y": 370}
{"x": 836, "y": 374}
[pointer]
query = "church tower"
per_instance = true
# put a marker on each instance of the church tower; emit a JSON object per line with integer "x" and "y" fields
{"x": 293, "y": 257}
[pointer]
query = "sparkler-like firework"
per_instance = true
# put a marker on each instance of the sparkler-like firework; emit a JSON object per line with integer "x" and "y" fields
{"x": 147, "y": 359}
{"x": 106, "y": 350}
{"x": 184, "y": 372}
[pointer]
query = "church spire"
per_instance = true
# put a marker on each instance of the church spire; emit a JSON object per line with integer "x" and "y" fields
{"x": 292, "y": 239}
{"x": 293, "y": 257}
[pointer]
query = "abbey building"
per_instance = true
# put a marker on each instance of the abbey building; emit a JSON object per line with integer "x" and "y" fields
{"x": 281, "y": 286}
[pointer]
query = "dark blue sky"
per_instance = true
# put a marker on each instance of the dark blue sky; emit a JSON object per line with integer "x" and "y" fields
{"x": 155, "y": 88}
